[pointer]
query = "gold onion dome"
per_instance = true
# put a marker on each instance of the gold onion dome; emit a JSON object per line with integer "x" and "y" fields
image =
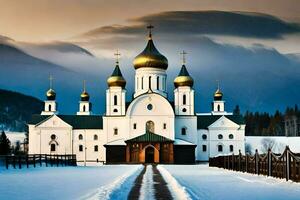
{"x": 116, "y": 79}
{"x": 218, "y": 95}
{"x": 183, "y": 78}
{"x": 150, "y": 57}
{"x": 84, "y": 96}
{"x": 51, "y": 94}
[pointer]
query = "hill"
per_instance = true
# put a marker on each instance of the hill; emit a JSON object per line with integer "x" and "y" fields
{"x": 16, "y": 109}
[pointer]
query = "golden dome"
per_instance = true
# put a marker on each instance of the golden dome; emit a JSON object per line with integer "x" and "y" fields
{"x": 183, "y": 78}
{"x": 85, "y": 96}
{"x": 150, "y": 57}
{"x": 116, "y": 79}
{"x": 51, "y": 94}
{"x": 218, "y": 95}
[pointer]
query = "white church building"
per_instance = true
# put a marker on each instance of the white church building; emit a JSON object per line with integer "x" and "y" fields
{"x": 149, "y": 128}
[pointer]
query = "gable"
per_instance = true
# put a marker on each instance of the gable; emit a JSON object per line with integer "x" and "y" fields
{"x": 75, "y": 121}
{"x": 204, "y": 121}
{"x": 223, "y": 122}
{"x": 53, "y": 122}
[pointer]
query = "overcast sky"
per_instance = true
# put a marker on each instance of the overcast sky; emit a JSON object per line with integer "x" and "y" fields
{"x": 43, "y": 20}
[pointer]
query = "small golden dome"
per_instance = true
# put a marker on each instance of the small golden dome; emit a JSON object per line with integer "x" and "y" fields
{"x": 183, "y": 78}
{"x": 218, "y": 95}
{"x": 116, "y": 79}
{"x": 150, "y": 57}
{"x": 51, "y": 94}
{"x": 85, "y": 96}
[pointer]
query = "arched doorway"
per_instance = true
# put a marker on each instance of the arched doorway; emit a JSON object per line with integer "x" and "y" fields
{"x": 150, "y": 126}
{"x": 149, "y": 154}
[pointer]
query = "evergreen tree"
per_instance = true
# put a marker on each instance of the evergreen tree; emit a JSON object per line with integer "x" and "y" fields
{"x": 4, "y": 144}
{"x": 236, "y": 110}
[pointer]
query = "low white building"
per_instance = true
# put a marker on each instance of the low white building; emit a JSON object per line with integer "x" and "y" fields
{"x": 149, "y": 128}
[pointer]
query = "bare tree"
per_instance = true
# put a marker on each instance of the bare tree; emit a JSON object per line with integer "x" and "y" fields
{"x": 266, "y": 144}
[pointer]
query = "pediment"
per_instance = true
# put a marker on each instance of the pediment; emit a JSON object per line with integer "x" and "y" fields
{"x": 223, "y": 122}
{"x": 53, "y": 122}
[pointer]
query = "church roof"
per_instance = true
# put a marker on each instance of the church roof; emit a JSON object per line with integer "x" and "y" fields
{"x": 203, "y": 121}
{"x": 149, "y": 137}
{"x": 76, "y": 121}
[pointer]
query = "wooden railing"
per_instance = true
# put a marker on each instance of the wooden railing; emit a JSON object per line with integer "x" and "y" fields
{"x": 286, "y": 165}
{"x": 33, "y": 160}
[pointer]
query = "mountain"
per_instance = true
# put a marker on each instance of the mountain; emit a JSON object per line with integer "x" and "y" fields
{"x": 16, "y": 109}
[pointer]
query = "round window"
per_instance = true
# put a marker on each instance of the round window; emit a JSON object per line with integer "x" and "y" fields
{"x": 53, "y": 137}
{"x": 220, "y": 136}
{"x": 230, "y": 136}
{"x": 149, "y": 106}
{"x": 204, "y": 137}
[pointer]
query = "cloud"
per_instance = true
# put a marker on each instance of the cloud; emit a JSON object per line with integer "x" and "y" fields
{"x": 242, "y": 24}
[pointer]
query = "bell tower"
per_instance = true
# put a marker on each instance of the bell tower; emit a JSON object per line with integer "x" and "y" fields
{"x": 84, "y": 104}
{"x": 116, "y": 93}
{"x": 50, "y": 103}
{"x": 218, "y": 105}
{"x": 184, "y": 93}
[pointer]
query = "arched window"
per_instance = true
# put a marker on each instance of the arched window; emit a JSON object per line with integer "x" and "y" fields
{"x": 220, "y": 136}
{"x": 231, "y": 148}
{"x": 80, "y": 137}
{"x": 115, "y": 100}
{"x": 115, "y": 110}
{"x": 52, "y": 147}
{"x": 142, "y": 83}
{"x": 184, "y": 99}
{"x": 80, "y": 148}
{"x": 134, "y": 126}
{"x": 115, "y": 131}
{"x": 95, "y": 137}
{"x": 150, "y": 82}
{"x": 183, "y": 131}
{"x": 157, "y": 82}
{"x": 231, "y": 136}
{"x": 49, "y": 107}
{"x": 204, "y": 148}
{"x": 220, "y": 148}
{"x": 96, "y": 148}
{"x": 218, "y": 107}
{"x": 83, "y": 108}
{"x": 150, "y": 126}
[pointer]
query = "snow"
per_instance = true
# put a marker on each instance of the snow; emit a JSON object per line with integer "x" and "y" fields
{"x": 255, "y": 142}
{"x": 178, "y": 192}
{"x": 147, "y": 190}
{"x": 67, "y": 182}
{"x": 182, "y": 142}
{"x": 203, "y": 182}
{"x": 117, "y": 142}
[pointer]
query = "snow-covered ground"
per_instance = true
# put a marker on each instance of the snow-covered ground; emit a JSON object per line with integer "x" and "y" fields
{"x": 203, "y": 182}
{"x": 279, "y": 143}
{"x": 68, "y": 182}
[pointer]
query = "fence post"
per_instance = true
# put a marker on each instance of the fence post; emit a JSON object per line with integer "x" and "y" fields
{"x": 256, "y": 161}
{"x": 6, "y": 162}
{"x": 34, "y": 160}
{"x": 240, "y": 157}
{"x": 27, "y": 164}
{"x": 246, "y": 163}
{"x": 269, "y": 162}
{"x": 14, "y": 162}
{"x": 233, "y": 159}
{"x": 19, "y": 160}
{"x": 40, "y": 160}
{"x": 287, "y": 163}
{"x": 57, "y": 160}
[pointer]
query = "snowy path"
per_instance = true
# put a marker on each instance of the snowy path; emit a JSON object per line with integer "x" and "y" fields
{"x": 202, "y": 182}
{"x": 68, "y": 182}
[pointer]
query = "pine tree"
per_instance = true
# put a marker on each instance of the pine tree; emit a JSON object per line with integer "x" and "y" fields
{"x": 236, "y": 110}
{"x": 4, "y": 144}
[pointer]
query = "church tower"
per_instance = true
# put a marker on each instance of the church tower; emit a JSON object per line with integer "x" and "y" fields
{"x": 184, "y": 93}
{"x": 50, "y": 104}
{"x": 150, "y": 70}
{"x": 218, "y": 105}
{"x": 116, "y": 93}
{"x": 84, "y": 104}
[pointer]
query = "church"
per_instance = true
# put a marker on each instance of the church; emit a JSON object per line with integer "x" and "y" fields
{"x": 148, "y": 129}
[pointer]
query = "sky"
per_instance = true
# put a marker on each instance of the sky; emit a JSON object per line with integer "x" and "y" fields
{"x": 251, "y": 47}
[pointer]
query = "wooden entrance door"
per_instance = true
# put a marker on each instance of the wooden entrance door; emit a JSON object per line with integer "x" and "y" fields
{"x": 149, "y": 155}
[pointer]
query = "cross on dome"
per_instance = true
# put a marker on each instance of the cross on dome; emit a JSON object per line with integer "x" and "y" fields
{"x": 117, "y": 54}
{"x": 150, "y": 27}
{"x": 183, "y": 53}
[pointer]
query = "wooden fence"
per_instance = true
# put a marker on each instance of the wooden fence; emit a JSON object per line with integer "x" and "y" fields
{"x": 34, "y": 160}
{"x": 286, "y": 165}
